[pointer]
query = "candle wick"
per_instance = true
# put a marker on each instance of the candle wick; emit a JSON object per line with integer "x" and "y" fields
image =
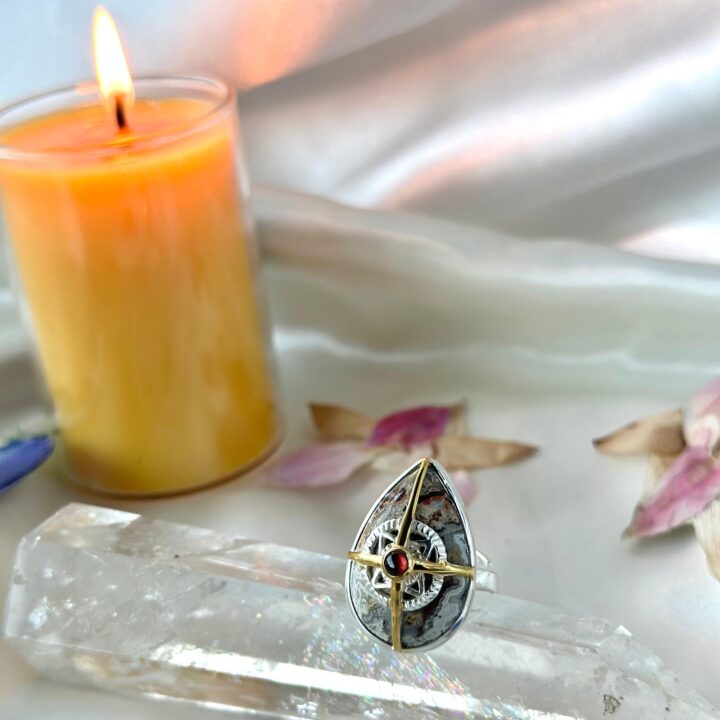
{"x": 120, "y": 116}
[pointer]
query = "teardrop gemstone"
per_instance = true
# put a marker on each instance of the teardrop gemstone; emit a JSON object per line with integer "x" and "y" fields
{"x": 433, "y": 602}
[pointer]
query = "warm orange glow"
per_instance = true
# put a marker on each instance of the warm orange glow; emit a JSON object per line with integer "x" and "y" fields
{"x": 111, "y": 67}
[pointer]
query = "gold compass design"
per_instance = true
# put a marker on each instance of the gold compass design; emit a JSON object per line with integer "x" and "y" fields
{"x": 418, "y": 589}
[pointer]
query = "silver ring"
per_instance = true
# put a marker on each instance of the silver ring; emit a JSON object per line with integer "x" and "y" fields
{"x": 413, "y": 568}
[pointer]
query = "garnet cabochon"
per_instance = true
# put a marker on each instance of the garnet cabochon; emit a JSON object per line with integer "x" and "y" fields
{"x": 396, "y": 563}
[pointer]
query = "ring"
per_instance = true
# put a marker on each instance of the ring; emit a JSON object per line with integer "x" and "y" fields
{"x": 413, "y": 567}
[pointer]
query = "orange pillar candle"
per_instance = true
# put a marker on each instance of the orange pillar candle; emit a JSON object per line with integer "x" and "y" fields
{"x": 131, "y": 237}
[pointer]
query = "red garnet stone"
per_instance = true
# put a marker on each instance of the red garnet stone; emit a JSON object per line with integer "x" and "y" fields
{"x": 396, "y": 563}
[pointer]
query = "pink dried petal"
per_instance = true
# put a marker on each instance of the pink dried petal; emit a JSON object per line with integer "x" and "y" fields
{"x": 467, "y": 488}
{"x": 702, "y": 422}
{"x": 320, "y": 465}
{"x": 410, "y": 427}
{"x": 688, "y": 487}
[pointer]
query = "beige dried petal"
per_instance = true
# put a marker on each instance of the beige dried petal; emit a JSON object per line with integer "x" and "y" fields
{"x": 339, "y": 423}
{"x": 707, "y": 530}
{"x": 660, "y": 434}
{"x": 658, "y": 465}
{"x": 458, "y": 419}
{"x": 457, "y": 452}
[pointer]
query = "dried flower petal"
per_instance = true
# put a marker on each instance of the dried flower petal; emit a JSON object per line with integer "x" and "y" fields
{"x": 338, "y": 423}
{"x": 703, "y": 432}
{"x": 459, "y": 452}
{"x": 19, "y": 457}
{"x": 413, "y": 426}
{"x": 702, "y": 424}
{"x": 706, "y": 401}
{"x": 465, "y": 485}
{"x": 688, "y": 487}
{"x": 658, "y": 466}
{"x": 458, "y": 420}
{"x": 320, "y": 465}
{"x": 424, "y": 430}
{"x": 660, "y": 434}
{"x": 707, "y": 531}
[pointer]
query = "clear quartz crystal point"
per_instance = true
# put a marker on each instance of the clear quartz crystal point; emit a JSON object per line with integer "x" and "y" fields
{"x": 124, "y": 602}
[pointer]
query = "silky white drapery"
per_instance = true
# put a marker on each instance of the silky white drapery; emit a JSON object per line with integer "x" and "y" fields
{"x": 591, "y": 119}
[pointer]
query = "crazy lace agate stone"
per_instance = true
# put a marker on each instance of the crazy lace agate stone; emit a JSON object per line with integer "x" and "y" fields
{"x": 432, "y": 606}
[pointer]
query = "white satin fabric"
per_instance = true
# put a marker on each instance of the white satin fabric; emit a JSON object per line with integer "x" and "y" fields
{"x": 591, "y": 119}
{"x": 446, "y": 191}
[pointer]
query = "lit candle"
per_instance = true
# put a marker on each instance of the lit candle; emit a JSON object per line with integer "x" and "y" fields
{"x": 129, "y": 230}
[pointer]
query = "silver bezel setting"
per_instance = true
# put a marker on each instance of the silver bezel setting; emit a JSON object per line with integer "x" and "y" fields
{"x": 489, "y": 579}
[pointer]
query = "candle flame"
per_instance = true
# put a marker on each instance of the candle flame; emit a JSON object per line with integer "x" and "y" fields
{"x": 111, "y": 68}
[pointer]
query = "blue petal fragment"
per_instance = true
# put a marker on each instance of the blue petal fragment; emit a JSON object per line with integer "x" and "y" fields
{"x": 20, "y": 456}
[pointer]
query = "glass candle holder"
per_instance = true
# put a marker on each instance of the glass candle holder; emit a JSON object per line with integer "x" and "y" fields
{"x": 136, "y": 262}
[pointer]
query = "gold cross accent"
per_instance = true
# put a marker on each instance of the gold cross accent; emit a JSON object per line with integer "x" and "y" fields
{"x": 415, "y": 564}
